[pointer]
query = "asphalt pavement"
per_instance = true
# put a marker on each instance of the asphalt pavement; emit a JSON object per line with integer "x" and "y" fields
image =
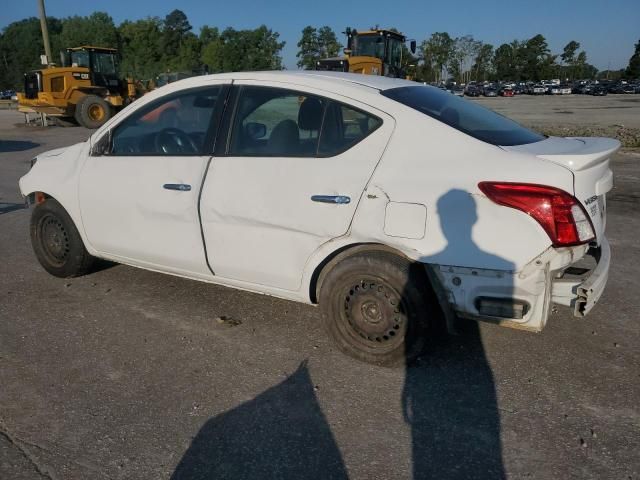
{"x": 130, "y": 374}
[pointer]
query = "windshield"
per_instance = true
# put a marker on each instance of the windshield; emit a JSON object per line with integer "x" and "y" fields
{"x": 369, "y": 46}
{"x": 104, "y": 63}
{"x": 464, "y": 115}
{"x": 80, "y": 59}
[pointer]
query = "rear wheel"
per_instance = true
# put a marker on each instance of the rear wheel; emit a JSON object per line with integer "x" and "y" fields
{"x": 56, "y": 241}
{"x": 377, "y": 307}
{"x": 92, "y": 111}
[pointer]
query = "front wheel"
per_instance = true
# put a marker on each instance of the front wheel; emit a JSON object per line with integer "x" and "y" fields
{"x": 56, "y": 241}
{"x": 92, "y": 111}
{"x": 377, "y": 307}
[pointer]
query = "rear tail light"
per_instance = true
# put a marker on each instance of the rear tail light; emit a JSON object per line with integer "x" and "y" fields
{"x": 559, "y": 213}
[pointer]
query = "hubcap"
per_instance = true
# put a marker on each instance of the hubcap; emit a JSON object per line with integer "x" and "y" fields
{"x": 55, "y": 239}
{"x": 374, "y": 314}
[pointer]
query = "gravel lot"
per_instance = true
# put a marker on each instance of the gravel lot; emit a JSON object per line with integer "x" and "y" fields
{"x": 127, "y": 374}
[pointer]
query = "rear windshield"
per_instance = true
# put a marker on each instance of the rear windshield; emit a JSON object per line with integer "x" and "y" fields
{"x": 464, "y": 115}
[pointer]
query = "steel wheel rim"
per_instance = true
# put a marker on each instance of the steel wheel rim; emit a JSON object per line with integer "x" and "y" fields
{"x": 374, "y": 315}
{"x": 96, "y": 112}
{"x": 54, "y": 239}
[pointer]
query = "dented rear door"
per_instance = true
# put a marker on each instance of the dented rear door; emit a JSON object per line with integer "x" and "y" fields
{"x": 263, "y": 215}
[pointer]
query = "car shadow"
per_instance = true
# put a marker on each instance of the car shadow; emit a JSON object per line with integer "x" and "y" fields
{"x": 11, "y": 207}
{"x": 281, "y": 433}
{"x": 17, "y": 145}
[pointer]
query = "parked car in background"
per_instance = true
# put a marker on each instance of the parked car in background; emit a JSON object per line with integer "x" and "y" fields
{"x": 597, "y": 90}
{"x": 538, "y": 89}
{"x": 490, "y": 92}
{"x": 365, "y": 223}
{"x": 458, "y": 91}
{"x": 628, "y": 88}
{"x": 472, "y": 91}
{"x": 8, "y": 95}
{"x": 565, "y": 89}
{"x": 506, "y": 92}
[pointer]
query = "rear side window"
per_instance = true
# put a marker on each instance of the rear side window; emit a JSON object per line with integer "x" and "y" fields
{"x": 464, "y": 115}
{"x": 276, "y": 122}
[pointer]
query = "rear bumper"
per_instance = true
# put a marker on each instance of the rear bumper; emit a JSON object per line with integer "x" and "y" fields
{"x": 583, "y": 293}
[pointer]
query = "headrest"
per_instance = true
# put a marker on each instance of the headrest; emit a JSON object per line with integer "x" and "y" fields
{"x": 310, "y": 114}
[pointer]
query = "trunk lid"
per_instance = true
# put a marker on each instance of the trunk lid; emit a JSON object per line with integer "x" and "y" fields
{"x": 588, "y": 160}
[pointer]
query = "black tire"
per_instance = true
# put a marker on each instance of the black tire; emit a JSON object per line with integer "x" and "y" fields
{"x": 377, "y": 307}
{"x": 92, "y": 111}
{"x": 56, "y": 241}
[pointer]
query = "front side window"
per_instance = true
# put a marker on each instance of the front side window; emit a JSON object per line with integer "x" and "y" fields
{"x": 179, "y": 124}
{"x": 464, "y": 115}
{"x": 286, "y": 123}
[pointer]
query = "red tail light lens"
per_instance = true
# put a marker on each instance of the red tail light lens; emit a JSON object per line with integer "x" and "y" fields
{"x": 559, "y": 213}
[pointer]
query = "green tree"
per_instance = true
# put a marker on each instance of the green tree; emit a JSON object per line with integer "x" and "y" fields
{"x": 174, "y": 30}
{"x": 141, "y": 48}
{"x": 308, "y": 48}
{"x": 436, "y": 52}
{"x": 20, "y": 49}
{"x": 504, "y": 62}
{"x": 244, "y": 50}
{"x": 328, "y": 42}
{"x": 568, "y": 56}
{"x": 535, "y": 58}
{"x": 482, "y": 66}
{"x": 633, "y": 70}
{"x": 97, "y": 29}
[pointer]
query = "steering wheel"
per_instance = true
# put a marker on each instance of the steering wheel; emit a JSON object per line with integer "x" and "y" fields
{"x": 174, "y": 141}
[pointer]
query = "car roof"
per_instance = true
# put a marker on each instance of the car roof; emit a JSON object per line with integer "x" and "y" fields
{"x": 311, "y": 77}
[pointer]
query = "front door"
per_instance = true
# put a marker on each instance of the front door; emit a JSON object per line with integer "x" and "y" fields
{"x": 139, "y": 201}
{"x": 289, "y": 180}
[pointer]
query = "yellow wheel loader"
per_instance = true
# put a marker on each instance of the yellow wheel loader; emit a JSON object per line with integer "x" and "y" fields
{"x": 371, "y": 52}
{"x": 86, "y": 89}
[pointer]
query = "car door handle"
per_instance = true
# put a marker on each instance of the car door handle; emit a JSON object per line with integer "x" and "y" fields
{"x": 341, "y": 199}
{"x": 181, "y": 187}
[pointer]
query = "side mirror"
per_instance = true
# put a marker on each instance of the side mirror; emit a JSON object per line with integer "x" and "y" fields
{"x": 346, "y": 51}
{"x": 412, "y": 46}
{"x": 255, "y": 131}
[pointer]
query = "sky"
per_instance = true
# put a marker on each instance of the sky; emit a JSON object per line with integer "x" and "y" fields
{"x": 606, "y": 30}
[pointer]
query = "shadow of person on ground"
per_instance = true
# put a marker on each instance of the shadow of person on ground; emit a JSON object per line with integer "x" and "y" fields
{"x": 16, "y": 145}
{"x": 449, "y": 397}
{"x": 280, "y": 434}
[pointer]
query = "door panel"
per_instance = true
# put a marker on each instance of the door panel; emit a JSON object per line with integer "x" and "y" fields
{"x": 259, "y": 221}
{"x": 139, "y": 202}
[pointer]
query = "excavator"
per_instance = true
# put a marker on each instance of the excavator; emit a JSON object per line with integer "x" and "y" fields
{"x": 86, "y": 89}
{"x": 371, "y": 52}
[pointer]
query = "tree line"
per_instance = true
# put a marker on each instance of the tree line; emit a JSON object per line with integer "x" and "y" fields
{"x": 147, "y": 47}
{"x": 442, "y": 57}
{"x": 154, "y": 45}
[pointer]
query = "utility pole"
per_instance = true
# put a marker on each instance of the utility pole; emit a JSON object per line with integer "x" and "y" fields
{"x": 45, "y": 31}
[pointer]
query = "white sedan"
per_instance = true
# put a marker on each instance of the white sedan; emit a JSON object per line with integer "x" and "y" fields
{"x": 392, "y": 205}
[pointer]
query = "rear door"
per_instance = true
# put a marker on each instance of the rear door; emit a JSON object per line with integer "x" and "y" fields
{"x": 288, "y": 180}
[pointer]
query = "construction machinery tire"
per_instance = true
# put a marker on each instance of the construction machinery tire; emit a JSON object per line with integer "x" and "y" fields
{"x": 92, "y": 111}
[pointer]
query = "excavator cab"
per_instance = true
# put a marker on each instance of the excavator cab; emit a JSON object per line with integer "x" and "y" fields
{"x": 371, "y": 52}
{"x": 101, "y": 62}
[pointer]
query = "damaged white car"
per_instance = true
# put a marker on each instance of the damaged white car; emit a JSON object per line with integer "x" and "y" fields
{"x": 390, "y": 204}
